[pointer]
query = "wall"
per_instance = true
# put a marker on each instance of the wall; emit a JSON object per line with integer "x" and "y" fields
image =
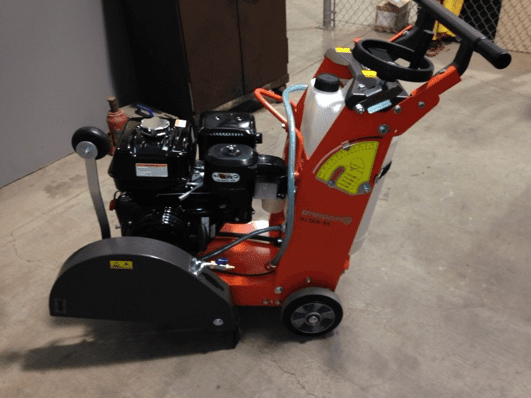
{"x": 59, "y": 61}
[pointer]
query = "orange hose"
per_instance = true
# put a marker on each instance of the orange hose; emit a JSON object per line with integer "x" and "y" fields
{"x": 259, "y": 93}
{"x": 400, "y": 33}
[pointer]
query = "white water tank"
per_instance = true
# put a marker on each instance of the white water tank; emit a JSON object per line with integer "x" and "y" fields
{"x": 325, "y": 100}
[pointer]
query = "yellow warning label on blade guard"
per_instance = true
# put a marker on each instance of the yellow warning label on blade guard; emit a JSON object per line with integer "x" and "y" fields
{"x": 349, "y": 168}
{"x": 121, "y": 264}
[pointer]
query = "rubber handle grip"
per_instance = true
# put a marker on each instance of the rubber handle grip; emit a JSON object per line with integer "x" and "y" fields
{"x": 497, "y": 56}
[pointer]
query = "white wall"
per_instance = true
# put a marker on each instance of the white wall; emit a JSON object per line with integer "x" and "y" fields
{"x": 57, "y": 62}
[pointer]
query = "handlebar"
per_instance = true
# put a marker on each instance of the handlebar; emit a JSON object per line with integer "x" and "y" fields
{"x": 497, "y": 56}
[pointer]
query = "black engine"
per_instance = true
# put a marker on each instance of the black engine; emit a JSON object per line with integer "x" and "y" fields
{"x": 169, "y": 195}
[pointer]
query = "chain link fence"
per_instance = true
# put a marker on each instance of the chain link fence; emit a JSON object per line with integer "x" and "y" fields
{"x": 506, "y": 22}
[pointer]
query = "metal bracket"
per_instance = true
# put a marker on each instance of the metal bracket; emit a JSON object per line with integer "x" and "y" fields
{"x": 88, "y": 151}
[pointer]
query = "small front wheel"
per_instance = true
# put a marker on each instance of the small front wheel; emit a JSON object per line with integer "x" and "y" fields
{"x": 312, "y": 311}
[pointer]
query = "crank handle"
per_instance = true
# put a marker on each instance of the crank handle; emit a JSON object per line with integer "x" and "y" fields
{"x": 185, "y": 195}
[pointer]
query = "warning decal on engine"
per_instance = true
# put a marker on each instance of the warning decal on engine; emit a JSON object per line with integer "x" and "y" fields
{"x": 151, "y": 170}
{"x": 349, "y": 169}
{"x": 121, "y": 264}
{"x": 180, "y": 123}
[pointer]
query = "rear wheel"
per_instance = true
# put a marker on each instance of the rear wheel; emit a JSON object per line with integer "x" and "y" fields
{"x": 312, "y": 311}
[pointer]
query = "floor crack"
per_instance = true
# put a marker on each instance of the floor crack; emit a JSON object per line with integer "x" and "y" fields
{"x": 294, "y": 375}
{"x": 17, "y": 254}
{"x": 364, "y": 389}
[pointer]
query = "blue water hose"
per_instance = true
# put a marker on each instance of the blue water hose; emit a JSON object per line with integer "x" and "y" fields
{"x": 290, "y": 212}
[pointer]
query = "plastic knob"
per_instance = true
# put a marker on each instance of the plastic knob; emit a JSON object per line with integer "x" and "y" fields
{"x": 95, "y": 136}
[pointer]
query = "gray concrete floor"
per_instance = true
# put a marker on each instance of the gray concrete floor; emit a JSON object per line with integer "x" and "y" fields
{"x": 437, "y": 303}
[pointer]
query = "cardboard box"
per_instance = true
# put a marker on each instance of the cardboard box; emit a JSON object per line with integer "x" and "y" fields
{"x": 392, "y": 15}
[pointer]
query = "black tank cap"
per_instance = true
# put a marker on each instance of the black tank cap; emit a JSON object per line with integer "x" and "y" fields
{"x": 327, "y": 83}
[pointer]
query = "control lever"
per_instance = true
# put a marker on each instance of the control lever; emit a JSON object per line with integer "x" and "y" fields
{"x": 91, "y": 143}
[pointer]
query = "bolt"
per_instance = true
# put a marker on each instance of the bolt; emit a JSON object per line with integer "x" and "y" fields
{"x": 362, "y": 87}
{"x": 397, "y": 109}
{"x": 364, "y": 188}
{"x": 422, "y": 104}
{"x": 313, "y": 320}
{"x": 279, "y": 290}
{"x": 87, "y": 150}
{"x": 308, "y": 280}
{"x": 266, "y": 301}
{"x": 278, "y": 302}
{"x": 218, "y": 322}
{"x": 383, "y": 129}
{"x": 359, "y": 109}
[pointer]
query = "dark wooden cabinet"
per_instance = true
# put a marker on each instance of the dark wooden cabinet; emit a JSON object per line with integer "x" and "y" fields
{"x": 191, "y": 56}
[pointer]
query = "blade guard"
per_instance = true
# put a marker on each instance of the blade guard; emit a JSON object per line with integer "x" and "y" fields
{"x": 141, "y": 280}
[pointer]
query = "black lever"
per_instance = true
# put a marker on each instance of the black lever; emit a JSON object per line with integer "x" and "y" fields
{"x": 91, "y": 143}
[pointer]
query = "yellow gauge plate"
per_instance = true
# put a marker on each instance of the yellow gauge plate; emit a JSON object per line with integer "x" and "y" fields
{"x": 347, "y": 169}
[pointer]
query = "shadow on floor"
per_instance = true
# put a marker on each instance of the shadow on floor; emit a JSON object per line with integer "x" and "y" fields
{"x": 109, "y": 342}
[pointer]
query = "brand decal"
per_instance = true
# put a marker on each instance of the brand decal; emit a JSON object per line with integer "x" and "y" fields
{"x": 325, "y": 218}
{"x": 225, "y": 177}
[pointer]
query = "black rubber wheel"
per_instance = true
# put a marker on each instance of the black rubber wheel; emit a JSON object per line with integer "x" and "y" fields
{"x": 312, "y": 311}
{"x": 95, "y": 136}
{"x": 380, "y": 55}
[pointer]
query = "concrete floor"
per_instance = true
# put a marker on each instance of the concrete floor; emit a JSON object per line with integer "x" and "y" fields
{"x": 437, "y": 303}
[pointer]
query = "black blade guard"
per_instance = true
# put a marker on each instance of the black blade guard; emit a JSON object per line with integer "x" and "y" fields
{"x": 141, "y": 280}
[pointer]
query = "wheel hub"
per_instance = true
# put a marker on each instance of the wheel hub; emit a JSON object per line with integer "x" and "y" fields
{"x": 312, "y": 311}
{"x": 313, "y": 318}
